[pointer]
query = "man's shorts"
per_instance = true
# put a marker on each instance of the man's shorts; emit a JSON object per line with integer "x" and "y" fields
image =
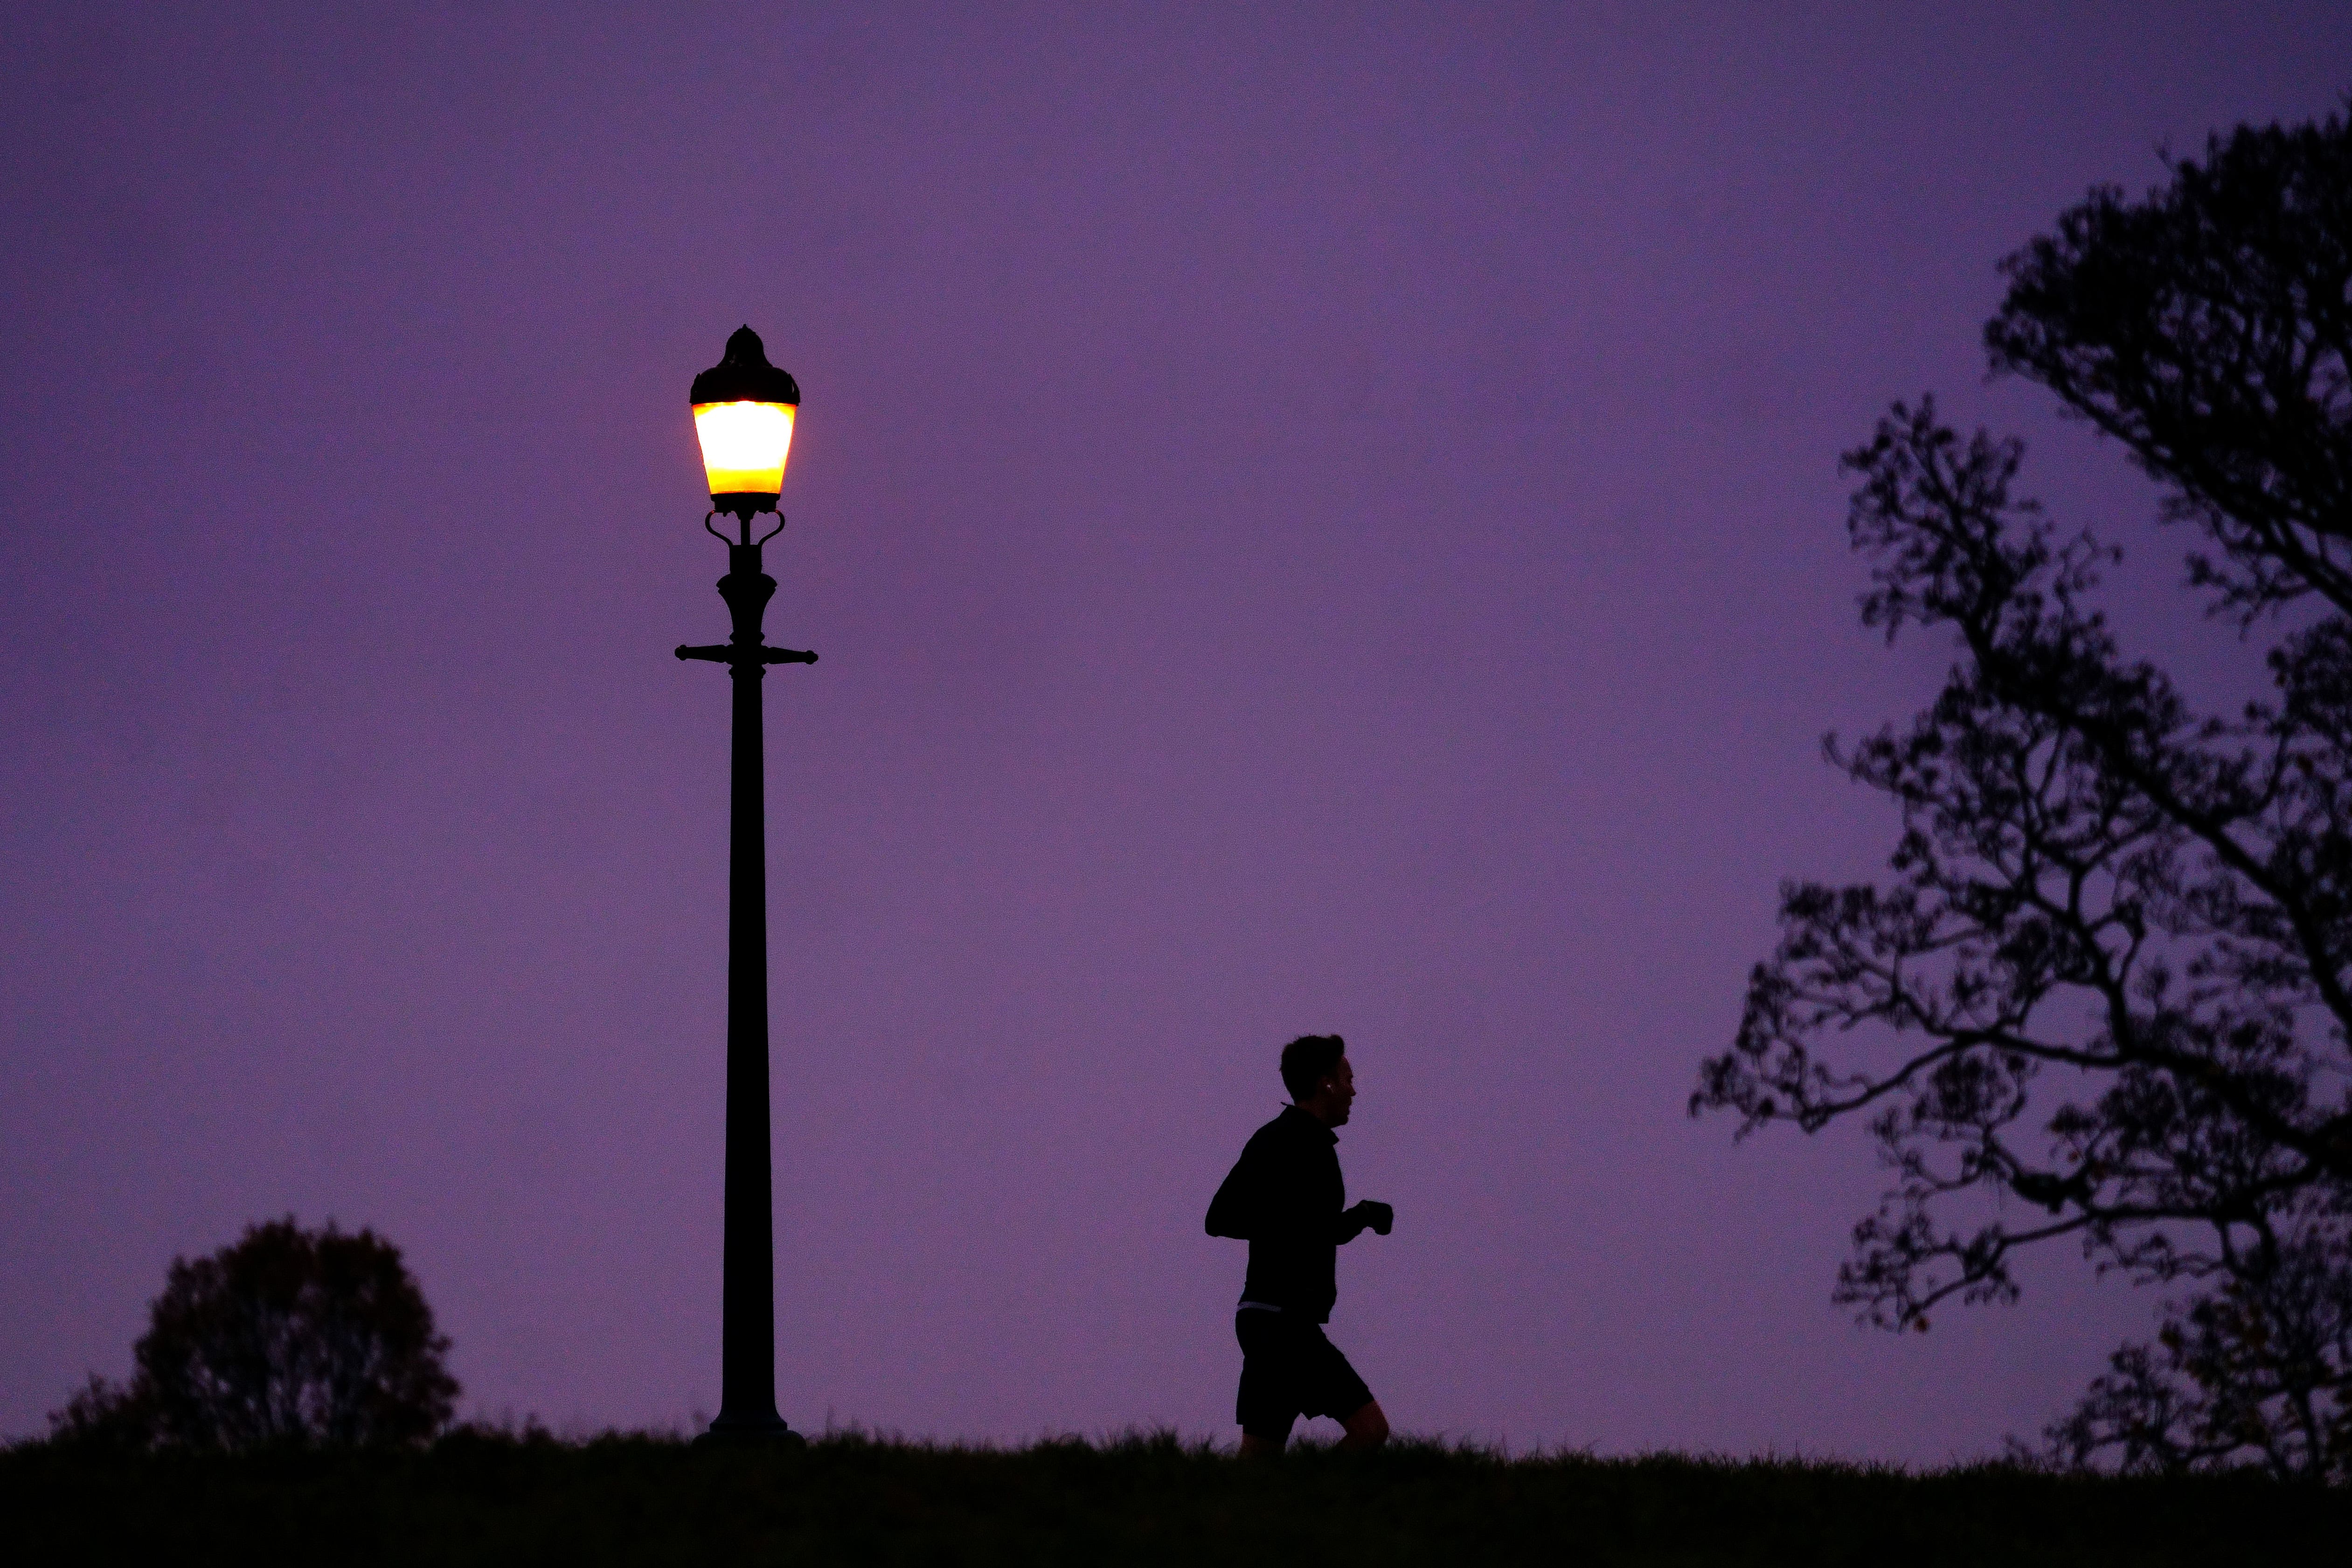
{"x": 1289, "y": 1370}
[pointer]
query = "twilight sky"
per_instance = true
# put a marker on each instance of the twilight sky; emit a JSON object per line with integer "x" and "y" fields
{"x": 1315, "y": 519}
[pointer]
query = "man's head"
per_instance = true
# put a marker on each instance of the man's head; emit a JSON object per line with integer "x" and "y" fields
{"x": 1316, "y": 1071}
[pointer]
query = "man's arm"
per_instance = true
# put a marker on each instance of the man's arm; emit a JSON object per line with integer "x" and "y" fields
{"x": 1362, "y": 1216}
{"x": 1236, "y": 1210}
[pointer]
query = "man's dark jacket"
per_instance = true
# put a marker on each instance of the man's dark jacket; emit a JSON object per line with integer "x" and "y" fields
{"x": 1285, "y": 1198}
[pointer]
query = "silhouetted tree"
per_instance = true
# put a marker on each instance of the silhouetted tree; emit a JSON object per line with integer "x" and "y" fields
{"x": 2105, "y": 995}
{"x": 290, "y": 1337}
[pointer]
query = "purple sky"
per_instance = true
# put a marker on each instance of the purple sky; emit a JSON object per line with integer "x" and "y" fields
{"x": 1315, "y": 519}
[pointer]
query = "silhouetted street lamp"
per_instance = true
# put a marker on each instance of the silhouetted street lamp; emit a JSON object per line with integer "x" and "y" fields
{"x": 743, "y": 411}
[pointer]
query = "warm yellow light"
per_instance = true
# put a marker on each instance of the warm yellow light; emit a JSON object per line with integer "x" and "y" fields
{"x": 744, "y": 446}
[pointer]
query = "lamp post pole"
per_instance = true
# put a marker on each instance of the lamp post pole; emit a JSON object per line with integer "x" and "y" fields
{"x": 746, "y": 1398}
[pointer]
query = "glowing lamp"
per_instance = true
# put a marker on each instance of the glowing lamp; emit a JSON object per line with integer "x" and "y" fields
{"x": 743, "y": 409}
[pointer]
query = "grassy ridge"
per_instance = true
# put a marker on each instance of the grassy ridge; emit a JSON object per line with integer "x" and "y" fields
{"x": 483, "y": 1498}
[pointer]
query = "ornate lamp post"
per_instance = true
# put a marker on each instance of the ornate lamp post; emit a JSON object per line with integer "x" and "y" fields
{"x": 743, "y": 411}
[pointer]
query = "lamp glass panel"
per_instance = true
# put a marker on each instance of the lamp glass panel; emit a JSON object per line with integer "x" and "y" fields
{"x": 744, "y": 446}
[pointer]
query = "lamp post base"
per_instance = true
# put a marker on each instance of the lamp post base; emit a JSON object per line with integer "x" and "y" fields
{"x": 770, "y": 1433}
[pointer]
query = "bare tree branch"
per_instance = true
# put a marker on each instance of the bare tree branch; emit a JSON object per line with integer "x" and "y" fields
{"x": 2093, "y": 880}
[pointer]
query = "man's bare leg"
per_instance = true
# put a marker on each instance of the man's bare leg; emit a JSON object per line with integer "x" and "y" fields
{"x": 1367, "y": 1428}
{"x": 1259, "y": 1447}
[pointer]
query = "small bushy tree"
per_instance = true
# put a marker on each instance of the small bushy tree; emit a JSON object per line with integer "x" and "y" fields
{"x": 290, "y": 1337}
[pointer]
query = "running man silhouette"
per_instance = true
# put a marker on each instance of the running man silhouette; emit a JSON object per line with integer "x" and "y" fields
{"x": 1285, "y": 1199}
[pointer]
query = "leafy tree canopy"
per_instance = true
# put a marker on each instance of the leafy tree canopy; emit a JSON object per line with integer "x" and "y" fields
{"x": 2104, "y": 997}
{"x": 290, "y": 1337}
